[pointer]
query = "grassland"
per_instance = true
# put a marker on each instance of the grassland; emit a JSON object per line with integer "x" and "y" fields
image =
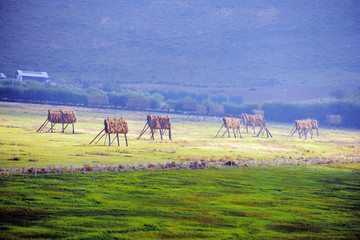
{"x": 269, "y": 202}
{"x": 306, "y": 202}
{"x": 21, "y": 146}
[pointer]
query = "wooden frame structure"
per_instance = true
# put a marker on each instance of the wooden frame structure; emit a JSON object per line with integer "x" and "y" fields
{"x": 333, "y": 121}
{"x": 59, "y": 116}
{"x": 303, "y": 127}
{"x": 231, "y": 123}
{"x": 112, "y": 126}
{"x": 255, "y": 121}
{"x": 200, "y": 110}
{"x": 163, "y": 124}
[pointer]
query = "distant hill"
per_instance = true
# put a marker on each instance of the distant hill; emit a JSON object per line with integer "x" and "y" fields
{"x": 194, "y": 43}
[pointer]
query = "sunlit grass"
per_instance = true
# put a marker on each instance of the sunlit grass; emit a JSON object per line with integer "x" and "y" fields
{"x": 192, "y": 140}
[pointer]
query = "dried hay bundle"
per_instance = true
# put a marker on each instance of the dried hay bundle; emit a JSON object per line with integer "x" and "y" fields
{"x": 253, "y": 120}
{"x": 137, "y": 103}
{"x": 165, "y": 122}
{"x": 217, "y": 110}
{"x": 189, "y": 105}
{"x": 305, "y": 124}
{"x": 314, "y": 124}
{"x": 258, "y": 112}
{"x": 68, "y": 116}
{"x": 200, "y": 109}
{"x": 55, "y": 116}
{"x": 334, "y": 119}
{"x": 116, "y": 125}
{"x": 158, "y": 122}
{"x": 98, "y": 100}
{"x": 232, "y": 123}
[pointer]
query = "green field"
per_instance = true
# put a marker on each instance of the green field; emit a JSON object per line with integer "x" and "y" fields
{"x": 268, "y": 202}
{"x": 21, "y": 146}
{"x": 233, "y": 203}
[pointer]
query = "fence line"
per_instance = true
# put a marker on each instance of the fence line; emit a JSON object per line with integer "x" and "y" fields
{"x": 178, "y": 165}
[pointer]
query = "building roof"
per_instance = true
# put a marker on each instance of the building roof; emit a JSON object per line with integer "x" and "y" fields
{"x": 32, "y": 74}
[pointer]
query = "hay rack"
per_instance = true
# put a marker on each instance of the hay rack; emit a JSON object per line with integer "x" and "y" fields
{"x": 155, "y": 123}
{"x": 230, "y": 123}
{"x": 114, "y": 126}
{"x": 305, "y": 127}
{"x": 59, "y": 117}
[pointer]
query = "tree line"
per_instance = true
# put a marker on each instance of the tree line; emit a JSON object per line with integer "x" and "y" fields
{"x": 174, "y": 101}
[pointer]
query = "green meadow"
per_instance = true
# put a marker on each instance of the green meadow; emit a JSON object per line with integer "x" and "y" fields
{"x": 299, "y": 202}
{"x": 264, "y": 202}
{"x": 21, "y": 146}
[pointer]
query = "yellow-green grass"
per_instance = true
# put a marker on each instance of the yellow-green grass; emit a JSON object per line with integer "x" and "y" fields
{"x": 291, "y": 202}
{"x": 21, "y": 146}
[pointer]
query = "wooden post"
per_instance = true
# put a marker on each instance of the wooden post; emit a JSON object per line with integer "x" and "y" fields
{"x": 261, "y": 162}
{"x": 43, "y": 126}
{"x": 319, "y": 160}
{"x": 187, "y": 164}
{"x": 84, "y": 168}
{"x": 127, "y": 167}
{"x": 220, "y": 130}
{"x": 158, "y": 166}
{"x": 254, "y": 162}
{"x": 146, "y": 127}
{"x": 284, "y": 162}
{"x": 35, "y": 171}
{"x": 60, "y": 170}
{"x": 138, "y": 166}
{"x": 161, "y": 134}
{"x": 126, "y": 140}
{"x": 215, "y": 164}
{"x": 11, "y": 172}
{"x": 177, "y": 165}
{"x": 105, "y": 167}
{"x": 152, "y": 134}
{"x": 23, "y": 172}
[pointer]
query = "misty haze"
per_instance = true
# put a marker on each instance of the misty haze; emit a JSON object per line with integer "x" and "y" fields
{"x": 182, "y": 119}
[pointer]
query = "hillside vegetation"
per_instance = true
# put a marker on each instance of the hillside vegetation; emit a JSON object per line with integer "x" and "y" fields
{"x": 202, "y": 43}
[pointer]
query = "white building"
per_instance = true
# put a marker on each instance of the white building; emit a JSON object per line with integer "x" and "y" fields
{"x": 2, "y": 76}
{"x": 30, "y": 75}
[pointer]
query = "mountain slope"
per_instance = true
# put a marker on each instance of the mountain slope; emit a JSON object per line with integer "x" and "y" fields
{"x": 201, "y": 43}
